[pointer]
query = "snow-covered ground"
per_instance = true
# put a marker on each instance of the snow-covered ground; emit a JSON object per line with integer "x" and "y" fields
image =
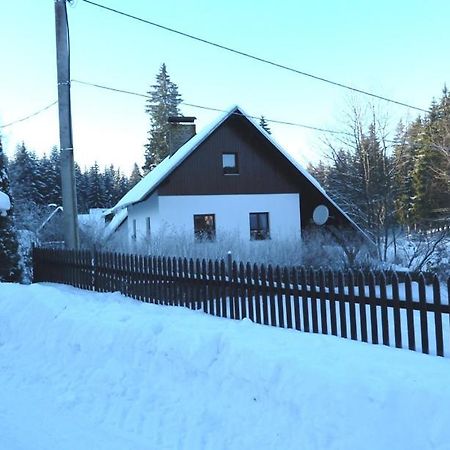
{"x": 82, "y": 370}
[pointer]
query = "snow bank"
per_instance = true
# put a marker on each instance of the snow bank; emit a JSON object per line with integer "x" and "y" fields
{"x": 82, "y": 370}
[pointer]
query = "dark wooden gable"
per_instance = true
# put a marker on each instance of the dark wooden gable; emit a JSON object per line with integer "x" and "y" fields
{"x": 262, "y": 170}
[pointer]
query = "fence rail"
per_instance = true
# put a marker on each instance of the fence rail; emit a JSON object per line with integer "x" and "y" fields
{"x": 400, "y": 310}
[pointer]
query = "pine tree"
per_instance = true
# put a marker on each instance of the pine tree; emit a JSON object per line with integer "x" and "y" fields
{"x": 135, "y": 176}
{"x": 54, "y": 180}
{"x": 96, "y": 192}
{"x": 122, "y": 185}
{"x": 441, "y": 145}
{"x": 319, "y": 172}
{"x": 9, "y": 246}
{"x": 163, "y": 102}
{"x": 108, "y": 183}
{"x": 263, "y": 124}
{"x": 431, "y": 179}
{"x": 43, "y": 181}
{"x": 82, "y": 189}
{"x": 403, "y": 157}
{"x": 23, "y": 176}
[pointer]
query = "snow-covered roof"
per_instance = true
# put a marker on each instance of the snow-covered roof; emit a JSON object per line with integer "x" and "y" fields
{"x": 152, "y": 180}
{"x": 91, "y": 220}
{"x": 115, "y": 223}
{"x": 165, "y": 167}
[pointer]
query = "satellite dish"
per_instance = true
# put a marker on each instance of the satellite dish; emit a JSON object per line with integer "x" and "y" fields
{"x": 320, "y": 214}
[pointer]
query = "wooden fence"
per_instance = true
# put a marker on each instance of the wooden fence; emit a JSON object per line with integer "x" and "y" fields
{"x": 371, "y": 307}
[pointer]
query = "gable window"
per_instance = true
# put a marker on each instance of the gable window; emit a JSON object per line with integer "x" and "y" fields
{"x": 259, "y": 226}
{"x": 148, "y": 228}
{"x": 205, "y": 227}
{"x": 230, "y": 163}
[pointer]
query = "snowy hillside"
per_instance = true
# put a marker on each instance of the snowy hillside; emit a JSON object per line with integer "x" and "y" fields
{"x": 81, "y": 370}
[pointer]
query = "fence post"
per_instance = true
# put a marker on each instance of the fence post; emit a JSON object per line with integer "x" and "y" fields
{"x": 423, "y": 314}
{"x": 229, "y": 263}
{"x": 34, "y": 273}
{"x": 94, "y": 268}
{"x": 438, "y": 317}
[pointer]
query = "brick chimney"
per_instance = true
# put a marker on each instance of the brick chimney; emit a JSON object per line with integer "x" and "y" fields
{"x": 181, "y": 129}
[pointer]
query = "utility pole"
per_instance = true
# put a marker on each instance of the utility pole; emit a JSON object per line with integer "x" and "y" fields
{"x": 69, "y": 197}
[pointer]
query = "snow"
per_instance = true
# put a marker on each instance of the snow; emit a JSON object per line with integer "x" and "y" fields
{"x": 83, "y": 370}
{"x": 95, "y": 216}
{"x": 5, "y": 203}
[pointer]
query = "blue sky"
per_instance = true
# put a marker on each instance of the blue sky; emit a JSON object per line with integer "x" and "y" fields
{"x": 395, "y": 49}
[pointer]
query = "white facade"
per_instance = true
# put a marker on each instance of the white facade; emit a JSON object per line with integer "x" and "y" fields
{"x": 174, "y": 215}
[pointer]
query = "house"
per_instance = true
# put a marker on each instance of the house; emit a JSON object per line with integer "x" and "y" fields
{"x": 233, "y": 179}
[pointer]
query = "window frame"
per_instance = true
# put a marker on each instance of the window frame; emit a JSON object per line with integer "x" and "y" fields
{"x": 209, "y": 237}
{"x": 259, "y": 234}
{"x": 234, "y": 169}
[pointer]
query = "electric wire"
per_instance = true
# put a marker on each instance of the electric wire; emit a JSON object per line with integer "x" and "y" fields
{"x": 256, "y": 58}
{"x": 30, "y": 115}
{"x": 210, "y": 108}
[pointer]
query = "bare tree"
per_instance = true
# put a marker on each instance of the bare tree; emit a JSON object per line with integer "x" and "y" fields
{"x": 361, "y": 172}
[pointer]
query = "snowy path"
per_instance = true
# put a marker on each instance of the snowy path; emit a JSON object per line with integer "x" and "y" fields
{"x": 80, "y": 370}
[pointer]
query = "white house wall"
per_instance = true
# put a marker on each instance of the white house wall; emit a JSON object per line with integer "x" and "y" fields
{"x": 139, "y": 212}
{"x": 173, "y": 215}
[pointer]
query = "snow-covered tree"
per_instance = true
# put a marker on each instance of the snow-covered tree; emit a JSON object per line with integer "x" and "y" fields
{"x": 9, "y": 246}
{"x": 163, "y": 102}
{"x": 23, "y": 176}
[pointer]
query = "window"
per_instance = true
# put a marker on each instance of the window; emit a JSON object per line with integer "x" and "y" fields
{"x": 134, "y": 235}
{"x": 147, "y": 227}
{"x": 259, "y": 226}
{"x": 230, "y": 164}
{"x": 205, "y": 227}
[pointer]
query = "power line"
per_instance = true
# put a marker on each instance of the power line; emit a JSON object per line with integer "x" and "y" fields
{"x": 256, "y": 58}
{"x": 210, "y": 108}
{"x": 30, "y": 116}
{"x": 108, "y": 88}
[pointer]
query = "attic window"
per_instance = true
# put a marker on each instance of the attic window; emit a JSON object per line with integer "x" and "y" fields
{"x": 230, "y": 163}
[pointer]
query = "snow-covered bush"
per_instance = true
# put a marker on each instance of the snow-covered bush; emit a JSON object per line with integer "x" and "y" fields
{"x": 337, "y": 249}
{"x": 426, "y": 251}
{"x": 316, "y": 248}
{"x": 261, "y": 252}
